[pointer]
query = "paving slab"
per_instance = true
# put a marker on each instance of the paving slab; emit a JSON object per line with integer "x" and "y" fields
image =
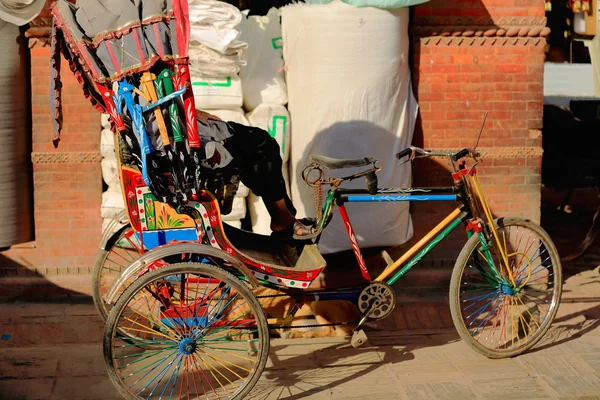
{"x": 26, "y": 389}
{"x": 574, "y": 385}
{"x": 515, "y": 388}
{"x": 441, "y": 391}
{"x": 53, "y": 351}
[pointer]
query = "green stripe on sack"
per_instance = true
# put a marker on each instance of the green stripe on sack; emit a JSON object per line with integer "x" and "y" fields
{"x": 272, "y": 129}
{"x": 227, "y": 83}
{"x": 277, "y": 42}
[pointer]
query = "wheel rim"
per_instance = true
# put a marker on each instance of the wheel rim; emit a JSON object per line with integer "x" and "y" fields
{"x": 186, "y": 335}
{"x": 505, "y": 312}
{"x": 126, "y": 249}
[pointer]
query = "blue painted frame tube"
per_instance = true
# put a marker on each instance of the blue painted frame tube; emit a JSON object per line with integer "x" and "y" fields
{"x": 383, "y": 198}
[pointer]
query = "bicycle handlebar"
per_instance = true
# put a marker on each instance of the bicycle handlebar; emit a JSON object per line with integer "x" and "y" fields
{"x": 428, "y": 153}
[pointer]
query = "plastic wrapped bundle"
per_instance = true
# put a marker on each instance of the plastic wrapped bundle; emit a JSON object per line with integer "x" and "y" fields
{"x": 350, "y": 96}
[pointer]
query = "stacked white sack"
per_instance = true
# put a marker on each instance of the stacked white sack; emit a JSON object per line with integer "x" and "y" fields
{"x": 262, "y": 77}
{"x": 216, "y": 54}
{"x": 350, "y": 96}
{"x": 275, "y": 119}
{"x": 112, "y": 198}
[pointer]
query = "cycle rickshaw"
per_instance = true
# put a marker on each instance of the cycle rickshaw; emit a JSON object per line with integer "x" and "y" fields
{"x": 182, "y": 319}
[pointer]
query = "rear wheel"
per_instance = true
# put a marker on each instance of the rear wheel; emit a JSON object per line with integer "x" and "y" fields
{"x": 503, "y": 307}
{"x": 121, "y": 249}
{"x": 187, "y": 330}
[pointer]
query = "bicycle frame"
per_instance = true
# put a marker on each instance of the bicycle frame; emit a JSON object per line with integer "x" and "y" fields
{"x": 466, "y": 189}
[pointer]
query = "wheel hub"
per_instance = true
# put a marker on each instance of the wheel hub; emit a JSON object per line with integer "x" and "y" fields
{"x": 187, "y": 346}
{"x": 507, "y": 290}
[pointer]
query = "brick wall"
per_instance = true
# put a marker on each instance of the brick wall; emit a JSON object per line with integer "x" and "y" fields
{"x": 67, "y": 180}
{"x": 473, "y": 56}
{"x": 469, "y": 56}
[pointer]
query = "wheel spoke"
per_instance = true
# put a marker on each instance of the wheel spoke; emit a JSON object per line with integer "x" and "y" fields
{"x": 210, "y": 335}
{"x": 504, "y": 318}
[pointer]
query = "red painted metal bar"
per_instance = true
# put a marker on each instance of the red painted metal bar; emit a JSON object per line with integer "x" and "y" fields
{"x": 357, "y": 253}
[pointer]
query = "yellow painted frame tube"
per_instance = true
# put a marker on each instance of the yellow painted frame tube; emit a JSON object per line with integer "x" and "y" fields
{"x": 419, "y": 245}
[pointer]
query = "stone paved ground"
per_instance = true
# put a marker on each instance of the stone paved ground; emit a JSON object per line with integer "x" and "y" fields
{"x": 54, "y": 352}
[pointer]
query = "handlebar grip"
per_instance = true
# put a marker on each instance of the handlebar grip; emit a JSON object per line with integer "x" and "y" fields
{"x": 460, "y": 154}
{"x": 404, "y": 153}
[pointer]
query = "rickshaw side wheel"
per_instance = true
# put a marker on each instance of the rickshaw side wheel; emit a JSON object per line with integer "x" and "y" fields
{"x": 198, "y": 331}
{"x": 113, "y": 259}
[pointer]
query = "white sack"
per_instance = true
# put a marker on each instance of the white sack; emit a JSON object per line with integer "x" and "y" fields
{"x": 274, "y": 119}
{"x": 238, "y": 210}
{"x": 374, "y": 3}
{"x": 110, "y": 172}
{"x": 217, "y": 93}
{"x": 349, "y": 97}
{"x": 234, "y": 115}
{"x": 107, "y": 144}
{"x": 263, "y": 77}
{"x": 235, "y": 224}
{"x": 112, "y": 203}
{"x": 105, "y": 121}
{"x": 259, "y": 216}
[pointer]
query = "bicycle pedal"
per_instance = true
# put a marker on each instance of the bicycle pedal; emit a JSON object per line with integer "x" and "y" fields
{"x": 358, "y": 338}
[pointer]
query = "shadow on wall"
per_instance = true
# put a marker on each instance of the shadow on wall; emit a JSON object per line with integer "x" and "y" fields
{"x": 366, "y": 139}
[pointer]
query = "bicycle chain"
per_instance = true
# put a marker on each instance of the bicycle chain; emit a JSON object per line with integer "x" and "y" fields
{"x": 311, "y": 326}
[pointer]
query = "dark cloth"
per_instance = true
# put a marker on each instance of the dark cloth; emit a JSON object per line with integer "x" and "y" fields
{"x": 246, "y": 151}
{"x": 257, "y": 155}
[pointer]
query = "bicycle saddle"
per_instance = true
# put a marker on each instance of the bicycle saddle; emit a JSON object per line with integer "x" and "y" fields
{"x": 337, "y": 163}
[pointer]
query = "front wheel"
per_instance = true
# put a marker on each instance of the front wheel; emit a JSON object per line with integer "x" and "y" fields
{"x": 197, "y": 332}
{"x": 503, "y": 305}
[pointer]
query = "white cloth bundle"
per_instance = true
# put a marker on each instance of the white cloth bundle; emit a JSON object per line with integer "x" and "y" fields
{"x": 214, "y": 50}
{"x": 206, "y": 62}
{"x": 213, "y": 23}
{"x": 350, "y": 96}
{"x": 214, "y": 14}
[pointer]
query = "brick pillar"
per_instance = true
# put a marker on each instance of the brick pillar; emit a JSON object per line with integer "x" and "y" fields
{"x": 473, "y": 56}
{"x": 67, "y": 180}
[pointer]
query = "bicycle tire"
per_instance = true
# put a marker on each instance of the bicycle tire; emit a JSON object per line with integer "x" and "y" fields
{"x": 119, "y": 373}
{"x": 102, "y": 269}
{"x": 503, "y": 299}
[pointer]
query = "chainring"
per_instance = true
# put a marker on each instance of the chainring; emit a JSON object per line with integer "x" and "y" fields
{"x": 380, "y": 293}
